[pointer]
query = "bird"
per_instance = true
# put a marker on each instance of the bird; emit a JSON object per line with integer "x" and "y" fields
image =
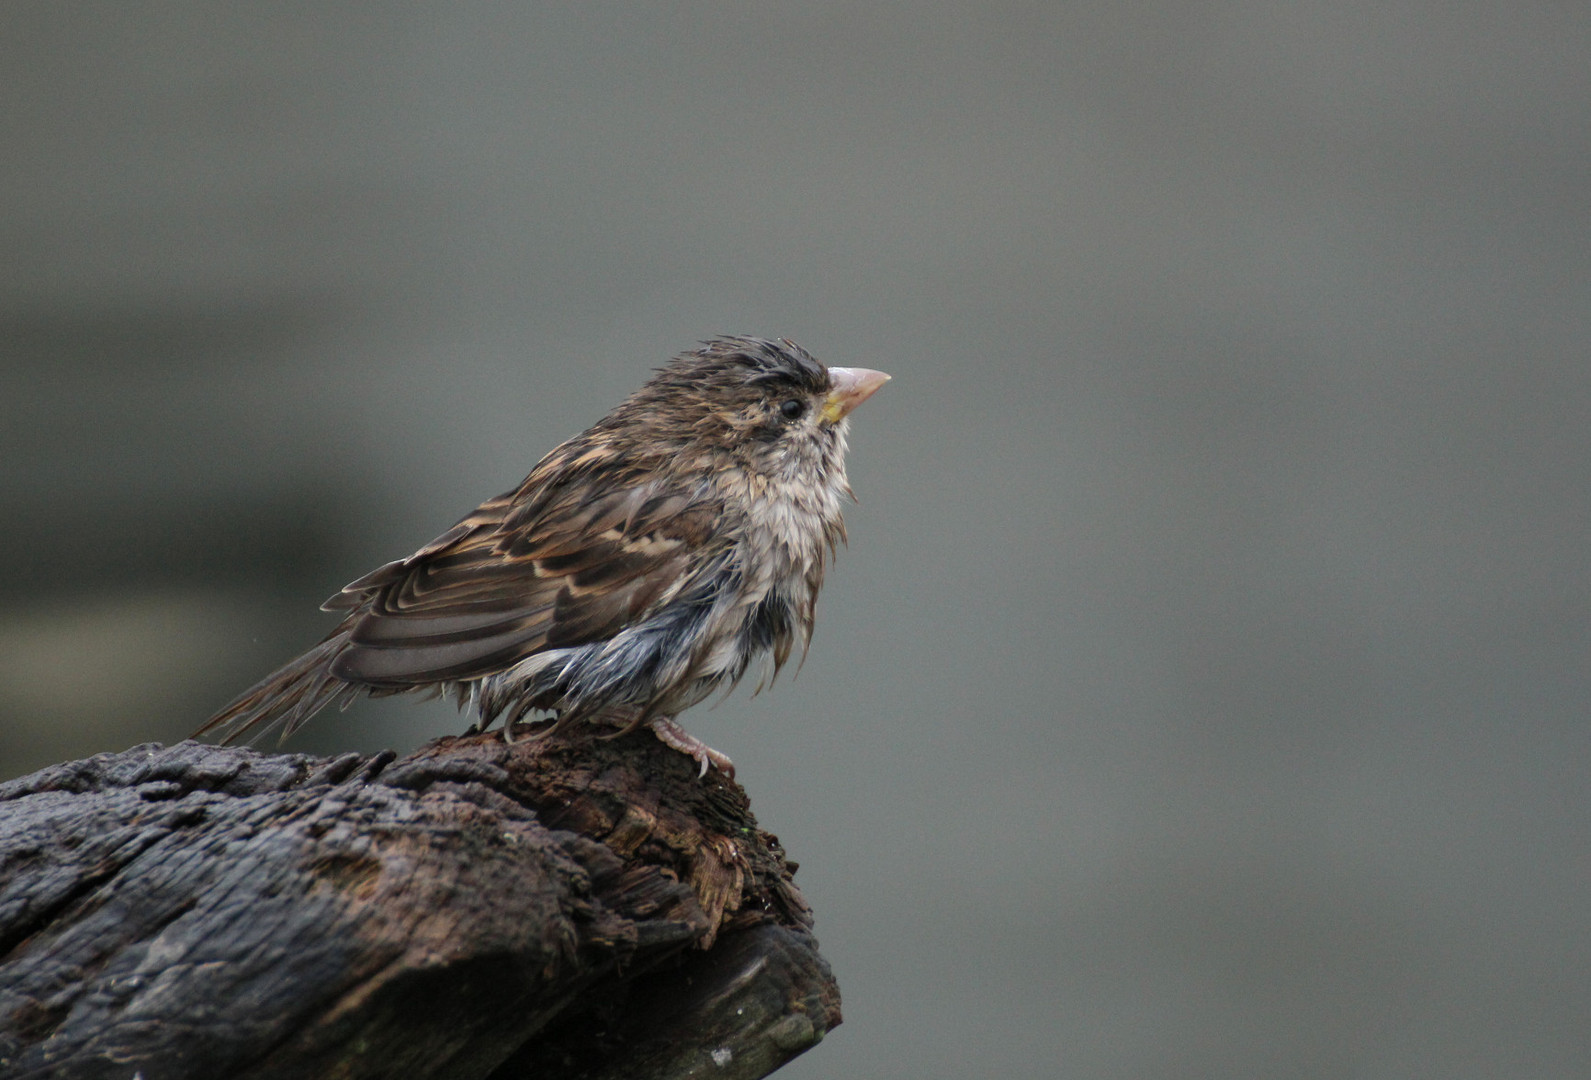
{"x": 641, "y": 566}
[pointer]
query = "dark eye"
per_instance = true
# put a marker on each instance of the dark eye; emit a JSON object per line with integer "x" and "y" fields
{"x": 793, "y": 409}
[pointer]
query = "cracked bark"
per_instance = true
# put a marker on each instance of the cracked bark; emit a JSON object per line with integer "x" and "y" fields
{"x": 576, "y": 907}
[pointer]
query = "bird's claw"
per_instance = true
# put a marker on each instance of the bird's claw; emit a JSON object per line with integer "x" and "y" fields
{"x": 676, "y": 737}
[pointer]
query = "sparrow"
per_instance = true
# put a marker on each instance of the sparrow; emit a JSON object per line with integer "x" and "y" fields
{"x": 642, "y": 565}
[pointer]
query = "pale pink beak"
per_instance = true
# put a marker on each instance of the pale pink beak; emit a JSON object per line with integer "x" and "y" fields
{"x": 852, "y": 386}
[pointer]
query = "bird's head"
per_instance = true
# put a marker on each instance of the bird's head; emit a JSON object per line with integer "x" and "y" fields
{"x": 768, "y": 404}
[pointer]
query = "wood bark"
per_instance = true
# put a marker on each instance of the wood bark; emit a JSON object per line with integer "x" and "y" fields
{"x": 574, "y": 907}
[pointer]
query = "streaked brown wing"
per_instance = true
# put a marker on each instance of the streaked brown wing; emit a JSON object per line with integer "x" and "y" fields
{"x": 505, "y": 583}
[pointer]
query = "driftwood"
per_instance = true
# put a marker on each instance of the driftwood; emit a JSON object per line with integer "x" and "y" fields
{"x": 578, "y": 907}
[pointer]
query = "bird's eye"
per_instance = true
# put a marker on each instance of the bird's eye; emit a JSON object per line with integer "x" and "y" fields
{"x": 792, "y": 409}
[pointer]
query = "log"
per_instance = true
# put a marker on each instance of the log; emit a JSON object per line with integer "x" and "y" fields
{"x": 573, "y": 907}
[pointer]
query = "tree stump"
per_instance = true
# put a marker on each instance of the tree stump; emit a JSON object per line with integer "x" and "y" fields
{"x": 570, "y": 907}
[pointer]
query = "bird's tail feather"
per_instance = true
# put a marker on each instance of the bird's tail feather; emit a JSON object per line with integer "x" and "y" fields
{"x": 288, "y": 696}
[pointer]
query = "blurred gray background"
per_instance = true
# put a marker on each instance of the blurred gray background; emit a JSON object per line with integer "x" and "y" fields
{"x": 1204, "y": 691}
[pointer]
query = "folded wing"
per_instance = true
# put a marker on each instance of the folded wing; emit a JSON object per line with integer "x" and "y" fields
{"x": 505, "y": 583}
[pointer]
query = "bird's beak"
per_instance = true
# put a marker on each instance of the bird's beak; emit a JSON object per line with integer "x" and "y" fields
{"x": 852, "y": 386}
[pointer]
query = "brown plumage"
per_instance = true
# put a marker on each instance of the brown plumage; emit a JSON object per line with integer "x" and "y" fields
{"x": 640, "y": 566}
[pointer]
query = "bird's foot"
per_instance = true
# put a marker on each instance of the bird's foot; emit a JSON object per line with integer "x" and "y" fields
{"x": 674, "y": 736}
{"x": 515, "y": 730}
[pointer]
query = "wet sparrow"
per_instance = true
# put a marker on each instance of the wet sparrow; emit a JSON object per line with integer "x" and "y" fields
{"x": 640, "y": 566}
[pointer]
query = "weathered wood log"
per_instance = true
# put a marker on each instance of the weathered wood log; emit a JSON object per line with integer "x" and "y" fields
{"x": 574, "y": 907}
